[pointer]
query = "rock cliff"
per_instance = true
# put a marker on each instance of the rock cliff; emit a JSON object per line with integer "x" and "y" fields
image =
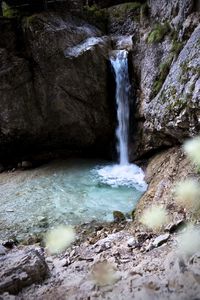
{"x": 56, "y": 91}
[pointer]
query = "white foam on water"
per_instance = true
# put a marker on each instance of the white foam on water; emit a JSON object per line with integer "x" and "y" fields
{"x": 123, "y": 175}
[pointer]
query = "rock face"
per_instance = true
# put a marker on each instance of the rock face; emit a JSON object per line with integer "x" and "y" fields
{"x": 56, "y": 90}
{"x": 174, "y": 114}
{"x": 58, "y": 95}
{"x": 163, "y": 172}
{"x": 165, "y": 62}
{"x": 19, "y": 269}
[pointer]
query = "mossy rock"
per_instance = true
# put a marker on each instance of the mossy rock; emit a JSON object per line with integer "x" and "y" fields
{"x": 158, "y": 33}
{"x": 177, "y": 47}
{"x": 118, "y": 216}
{"x": 122, "y": 11}
{"x": 163, "y": 72}
{"x": 9, "y": 12}
{"x": 96, "y": 16}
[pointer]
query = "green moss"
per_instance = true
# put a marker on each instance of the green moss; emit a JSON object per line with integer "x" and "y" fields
{"x": 118, "y": 216}
{"x": 163, "y": 72}
{"x": 184, "y": 67}
{"x": 180, "y": 103}
{"x": 192, "y": 87}
{"x": 158, "y": 33}
{"x": 9, "y": 12}
{"x": 122, "y": 10}
{"x": 128, "y": 7}
{"x": 177, "y": 105}
{"x": 173, "y": 91}
{"x": 176, "y": 47}
{"x": 27, "y": 21}
{"x": 183, "y": 80}
{"x": 96, "y": 16}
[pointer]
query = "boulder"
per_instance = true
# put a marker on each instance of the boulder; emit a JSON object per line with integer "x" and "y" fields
{"x": 56, "y": 97}
{"x": 161, "y": 239}
{"x": 21, "y": 268}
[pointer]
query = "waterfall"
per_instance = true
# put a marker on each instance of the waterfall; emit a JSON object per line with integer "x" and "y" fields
{"x": 124, "y": 173}
{"x": 119, "y": 61}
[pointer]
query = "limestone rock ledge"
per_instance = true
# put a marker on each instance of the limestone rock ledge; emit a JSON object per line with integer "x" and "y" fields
{"x": 21, "y": 268}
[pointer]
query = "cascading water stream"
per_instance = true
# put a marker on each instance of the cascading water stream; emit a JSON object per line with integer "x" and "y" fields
{"x": 119, "y": 61}
{"x": 124, "y": 173}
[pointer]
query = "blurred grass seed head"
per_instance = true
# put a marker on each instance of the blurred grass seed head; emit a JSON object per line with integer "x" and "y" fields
{"x": 59, "y": 239}
{"x": 155, "y": 217}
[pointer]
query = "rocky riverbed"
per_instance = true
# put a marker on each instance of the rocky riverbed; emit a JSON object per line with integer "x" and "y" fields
{"x": 138, "y": 271}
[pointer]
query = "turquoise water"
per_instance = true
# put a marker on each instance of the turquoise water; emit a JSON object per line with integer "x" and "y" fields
{"x": 63, "y": 192}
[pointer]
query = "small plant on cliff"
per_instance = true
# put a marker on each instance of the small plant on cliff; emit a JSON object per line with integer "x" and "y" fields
{"x": 189, "y": 241}
{"x": 9, "y": 12}
{"x": 155, "y": 217}
{"x": 122, "y": 11}
{"x": 58, "y": 239}
{"x": 96, "y": 16}
{"x": 158, "y": 33}
{"x": 163, "y": 72}
{"x": 104, "y": 273}
{"x": 187, "y": 192}
{"x": 192, "y": 149}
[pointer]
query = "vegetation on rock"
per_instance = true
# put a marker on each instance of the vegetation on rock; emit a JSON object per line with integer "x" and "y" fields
{"x": 163, "y": 72}
{"x": 96, "y": 16}
{"x": 158, "y": 32}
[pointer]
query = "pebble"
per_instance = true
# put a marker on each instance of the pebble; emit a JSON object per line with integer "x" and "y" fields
{"x": 49, "y": 259}
{"x": 131, "y": 242}
{"x": 161, "y": 239}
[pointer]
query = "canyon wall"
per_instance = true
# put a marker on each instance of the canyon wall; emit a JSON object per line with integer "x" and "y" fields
{"x": 56, "y": 91}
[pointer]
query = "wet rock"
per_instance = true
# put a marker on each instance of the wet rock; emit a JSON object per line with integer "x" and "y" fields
{"x": 22, "y": 268}
{"x": 118, "y": 216}
{"x": 161, "y": 239}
